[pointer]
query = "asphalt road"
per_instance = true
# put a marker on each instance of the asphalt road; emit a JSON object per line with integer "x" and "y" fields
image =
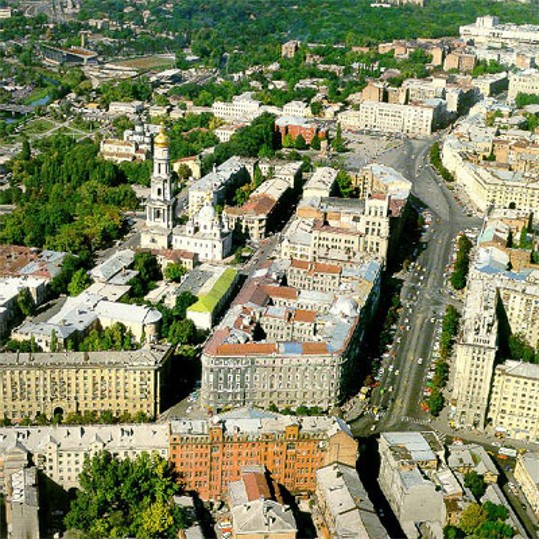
{"x": 424, "y": 290}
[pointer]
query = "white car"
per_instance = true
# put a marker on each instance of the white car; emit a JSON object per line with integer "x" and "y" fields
{"x": 420, "y": 361}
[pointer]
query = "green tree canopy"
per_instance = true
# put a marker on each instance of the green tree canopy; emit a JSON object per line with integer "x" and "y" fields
{"x": 79, "y": 282}
{"x": 120, "y": 498}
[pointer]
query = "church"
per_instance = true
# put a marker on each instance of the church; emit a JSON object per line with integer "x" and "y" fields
{"x": 205, "y": 233}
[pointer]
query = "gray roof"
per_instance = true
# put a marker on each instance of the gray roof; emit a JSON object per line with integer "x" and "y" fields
{"x": 262, "y": 516}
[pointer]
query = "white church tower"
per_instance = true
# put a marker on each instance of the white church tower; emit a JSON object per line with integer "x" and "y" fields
{"x": 160, "y": 207}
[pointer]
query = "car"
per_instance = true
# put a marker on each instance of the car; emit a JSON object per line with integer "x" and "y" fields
{"x": 420, "y": 361}
{"x": 397, "y": 372}
{"x": 373, "y": 428}
{"x": 407, "y": 328}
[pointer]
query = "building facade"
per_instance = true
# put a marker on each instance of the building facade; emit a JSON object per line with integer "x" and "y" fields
{"x": 210, "y": 454}
{"x": 79, "y": 382}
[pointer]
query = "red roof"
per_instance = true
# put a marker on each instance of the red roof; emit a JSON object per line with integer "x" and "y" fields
{"x": 302, "y": 315}
{"x": 256, "y": 486}
{"x": 284, "y": 292}
{"x": 250, "y": 348}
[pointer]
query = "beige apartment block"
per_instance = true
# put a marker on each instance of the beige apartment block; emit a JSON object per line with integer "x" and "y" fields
{"x": 514, "y": 402}
{"x": 527, "y": 477}
{"x": 71, "y": 382}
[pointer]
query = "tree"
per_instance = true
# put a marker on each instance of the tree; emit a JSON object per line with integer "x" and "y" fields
{"x": 25, "y": 302}
{"x": 316, "y": 108}
{"x": 26, "y": 152}
{"x": 288, "y": 141}
{"x": 119, "y": 498}
{"x": 344, "y": 182}
{"x": 510, "y": 239}
{"x": 476, "y": 483}
{"x": 175, "y": 272}
{"x": 79, "y": 283}
{"x": 472, "y": 517}
{"x": 147, "y": 266}
{"x": 184, "y": 172}
{"x": 183, "y": 301}
{"x": 338, "y": 143}
{"x": 300, "y": 143}
{"x": 315, "y": 143}
{"x": 181, "y": 332}
{"x": 436, "y": 402}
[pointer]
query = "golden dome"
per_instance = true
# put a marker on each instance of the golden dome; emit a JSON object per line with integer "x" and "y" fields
{"x": 161, "y": 140}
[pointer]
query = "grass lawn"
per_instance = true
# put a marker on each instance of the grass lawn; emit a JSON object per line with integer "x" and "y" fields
{"x": 37, "y": 127}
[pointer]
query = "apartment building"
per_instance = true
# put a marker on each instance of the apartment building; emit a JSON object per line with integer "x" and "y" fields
{"x": 255, "y": 217}
{"x": 129, "y": 108}
{"x": 462, "y": 61}
{"x": 527, "y": 478}
{"x": 289, "y": 49}
{"x": 492, "y": 84}
{"x": 514, "y": 400}
{"x": 213, "y": 186}
{"x": 475, "y": 355}
{"x": 119, "y": 151}
{"x": 409, "y": 466}
{"x": 344, "y": 504}
{"x": 287, "y": 346}
{"x": 321, "y": 183}
{"x": 210, "y": 454}
{"x": 526, "y": 82}
{"x": 78, "y": 382}
{"x": 413, "y": 120}
{"x": 488, "y": 31}
{"x": 297, "y": 108}
{"x": 242, "y": 106}
{"x": 59, "y": 451}
{"x": 294, "y": 126}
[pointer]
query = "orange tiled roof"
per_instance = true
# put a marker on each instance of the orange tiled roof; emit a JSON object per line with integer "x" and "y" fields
{"x": 303, "y": 315}
{"x": 285, "y": 292}
{"x": 246, "y": 349}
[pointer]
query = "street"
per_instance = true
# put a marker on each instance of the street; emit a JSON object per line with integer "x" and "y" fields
{"x": 423, "y": 290}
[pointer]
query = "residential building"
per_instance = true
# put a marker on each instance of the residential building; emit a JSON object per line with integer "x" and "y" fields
{"x": 254, "y": 218}
{"x": 286, "y": 346}
{"x": 289, "y": 49}
{"x": 488, "y": 30}
{"x": 527, "y": 478}
{"x": 489, "y": 85}
{"x": 294, "y": 126}
{"x": 462, "y": 61}
{"x": 59, "y": 451}
{"x": 19, "y": 261}
{"x": 263, "y": 519}
{"x": 73, "y": 55}
{"x": 225, "y": 132}
{"x": 321, "y": 183}
{"x": 70, "y": 382}
{"x": 22, "y": 504}
{"x": 193, "y": 163}
{"x": 476, "y": 349}
{"x": 90, "y": 310}
{"x": 514, "y": 401}
{"x": 129, "y": 108}
{"x": 10, "y": 289}
{"x": 344, "y": 504}
{"x": 5, "y": 13}
{"x": 214, "y": 186}
{"x": 241, "y": 107}
{"x": 298, "y": 109}
{"x": 413, "y": 120}
{"x": 408, "y": 464}
{"x": 119, "y": 151}
{"x": 210, "y": 454}
{"x": 526, "y": 82}
{"x": 472, "y": 458}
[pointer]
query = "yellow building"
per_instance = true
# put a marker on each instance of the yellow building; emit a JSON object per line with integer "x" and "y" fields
{"x": 527, "y": 477}
{"x": 71, "y": 382}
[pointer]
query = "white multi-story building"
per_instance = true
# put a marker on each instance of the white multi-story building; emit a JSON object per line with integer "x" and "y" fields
{"x": 60, "y": 451}
{"x": 525, "y": 82}
{"x": 489, "y": 31}
{"x": 242, "y": 106}
{"x": 408, "y": 465}
{"x": 514, "y": 401}
{"x": 527, "y": 477}
{"x": 475, "y": 355}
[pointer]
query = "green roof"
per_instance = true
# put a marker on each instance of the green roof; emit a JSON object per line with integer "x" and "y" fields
{"x": 208, "y": 302}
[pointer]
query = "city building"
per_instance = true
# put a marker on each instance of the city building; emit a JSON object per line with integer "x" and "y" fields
{"x": 344, "y": 504}
{"x": 413, "y": 120}
{"x": 285, "y": 346}
{"x": 409, "y": 462}
{"x": 263, "y": 519}
{"x": 289, "y": 49}
{"x": 525, "y": 82}
{"x": 476, "y": 349}
{"x": 514, "y": 402}
{"x": 73, "y": 55}
{"x": 257, "y": 217}
{"x": 119, "y": 151}
{"x": 297, "y": 108}
{"x": 210, "y": 454}
{"x": 294, "y": 126}
{"x": 462, "y": 61}
{"x": 22, "y": 504}
{"x": 77, "y": 382}
{"x": 129, "y": 108}
{"x": 472, "y": 458}
{"x": 492, "y": 84}
{"x": 19, "y": 261}
{"x": 59, "y": 451}
{"x": 242, "y": 107}
{"x": 225, "y": 132}
{"x": 321, "y": 183}
{"x": 78, "y": 315}
{"x": 6, "y": 13}
{"x": 527, "y": 478}
{"x": 488, "y": 31}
